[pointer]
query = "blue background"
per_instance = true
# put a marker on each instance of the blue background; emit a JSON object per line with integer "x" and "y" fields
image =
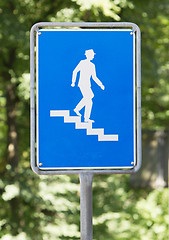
{"x": 60, "y": 144}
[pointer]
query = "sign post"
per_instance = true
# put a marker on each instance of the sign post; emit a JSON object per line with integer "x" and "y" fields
{"x": 88, "y": 103}
{"x": 86, "y": 206}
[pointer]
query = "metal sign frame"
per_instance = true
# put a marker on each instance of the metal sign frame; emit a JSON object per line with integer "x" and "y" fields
{"x": 106, "y": 26}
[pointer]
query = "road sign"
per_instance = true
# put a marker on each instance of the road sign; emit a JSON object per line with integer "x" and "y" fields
{"x": 86, "y": 110}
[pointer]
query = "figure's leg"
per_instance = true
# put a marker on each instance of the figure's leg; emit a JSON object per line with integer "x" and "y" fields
{"x": 79, "y": 106}
{"x": 89, "y": 104}
{"x": 88, "y": 108}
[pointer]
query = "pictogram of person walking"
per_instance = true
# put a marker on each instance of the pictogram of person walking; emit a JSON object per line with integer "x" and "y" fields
{"x": 87, "y": 70}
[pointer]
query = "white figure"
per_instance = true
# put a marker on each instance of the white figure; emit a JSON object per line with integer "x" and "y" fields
{"x": 87, "y": 70}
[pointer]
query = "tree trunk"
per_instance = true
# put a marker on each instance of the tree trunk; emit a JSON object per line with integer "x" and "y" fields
{"x": 12, "y": 154}
{"x": 12, "y": 135}
{"x": 11, "y": 104}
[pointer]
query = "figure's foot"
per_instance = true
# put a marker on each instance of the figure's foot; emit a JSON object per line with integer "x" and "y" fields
{"x": 89, "y": 120}
{"x": 77, "y": 112}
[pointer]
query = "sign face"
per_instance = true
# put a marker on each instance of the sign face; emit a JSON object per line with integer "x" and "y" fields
{"x": 86, "y": 99}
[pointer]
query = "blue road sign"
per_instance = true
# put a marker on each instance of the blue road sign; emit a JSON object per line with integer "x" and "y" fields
{"x": 86, "y": 99}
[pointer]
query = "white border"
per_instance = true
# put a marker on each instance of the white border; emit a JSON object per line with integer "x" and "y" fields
{"x": 37, "y": 99}
{"x": 84, "y": 168}
{"x": 134, "y": 97}
{"x": 92, "y": 30}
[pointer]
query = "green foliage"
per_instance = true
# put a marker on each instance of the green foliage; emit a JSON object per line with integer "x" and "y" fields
{"x": 38, "y": 208}
{"x": 125, "y": 213}
{"x": 20, "y": 213}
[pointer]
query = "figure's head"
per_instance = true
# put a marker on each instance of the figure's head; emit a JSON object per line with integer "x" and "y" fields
{"x": 90, "y": 54}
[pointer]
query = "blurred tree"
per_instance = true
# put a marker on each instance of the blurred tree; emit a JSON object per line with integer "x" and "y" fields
{"x": 152, "y": 18}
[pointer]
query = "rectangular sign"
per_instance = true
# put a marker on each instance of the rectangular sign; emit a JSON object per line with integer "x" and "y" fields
{"x": 86, "y": 99}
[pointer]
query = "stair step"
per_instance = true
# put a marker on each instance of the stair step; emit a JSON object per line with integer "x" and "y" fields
{"x": 72, "y": 119}
{"x": 95, "y": 131}
{"x": 83, "y": 125}
{"x": 59, "y": 113}
{"x": 107, "y": 137}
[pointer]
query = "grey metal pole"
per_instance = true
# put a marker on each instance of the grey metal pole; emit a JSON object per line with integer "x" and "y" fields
{"x": 86, "y": 206}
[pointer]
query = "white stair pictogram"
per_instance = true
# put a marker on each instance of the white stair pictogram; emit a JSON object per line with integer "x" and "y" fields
{"x": 83, "y": 125}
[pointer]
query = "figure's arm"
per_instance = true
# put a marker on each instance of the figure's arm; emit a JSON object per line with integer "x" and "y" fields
{"x": 75, "y": 71}
{"x": 99, "y": 83}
